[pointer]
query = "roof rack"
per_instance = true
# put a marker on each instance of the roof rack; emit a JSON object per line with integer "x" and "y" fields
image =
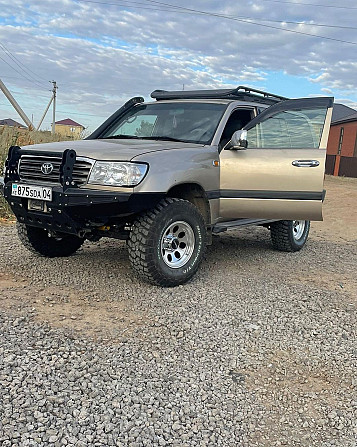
{"x": 241, "y": 92}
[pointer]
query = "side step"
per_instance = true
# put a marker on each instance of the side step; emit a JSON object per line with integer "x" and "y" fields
{"x": 224, "y": 226}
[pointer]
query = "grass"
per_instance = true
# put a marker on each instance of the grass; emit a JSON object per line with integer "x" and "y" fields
{"x": 11, "y": 136}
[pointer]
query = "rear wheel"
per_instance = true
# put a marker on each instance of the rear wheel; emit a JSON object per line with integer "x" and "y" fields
{"x": 41, "y": 242}
{"x": 166, "y": 245}
{"x": 289, "y": 235}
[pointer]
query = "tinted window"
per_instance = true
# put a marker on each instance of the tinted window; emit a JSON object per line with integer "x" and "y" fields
{"x": 191, "y": 122}
{"x": 291, "y": 129}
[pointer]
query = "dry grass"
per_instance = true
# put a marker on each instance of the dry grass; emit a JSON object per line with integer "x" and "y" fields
{"x": 11, "y": 136}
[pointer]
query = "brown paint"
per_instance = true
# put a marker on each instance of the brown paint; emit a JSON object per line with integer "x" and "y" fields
{"x": 337, "y": 165}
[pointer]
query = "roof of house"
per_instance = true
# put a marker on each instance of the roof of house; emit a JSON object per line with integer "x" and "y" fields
{"x": 68, "y": 122}
{"x": 11, "y": 123}
{"x": 347, "y": 119}
{"x": 342, "y": 114}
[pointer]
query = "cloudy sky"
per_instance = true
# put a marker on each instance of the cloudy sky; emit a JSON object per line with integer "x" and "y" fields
{"x": 102, "y": 52}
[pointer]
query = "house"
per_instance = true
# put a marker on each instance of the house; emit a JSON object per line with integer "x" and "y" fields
{"x": 341, "y": 156}
{"x": 69, "y": 128}
{"x": 11, "y": 123}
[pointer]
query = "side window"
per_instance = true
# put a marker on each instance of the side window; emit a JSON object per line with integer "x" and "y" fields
{"x": 290, "y": 129}
{"x": 238, "y": 119}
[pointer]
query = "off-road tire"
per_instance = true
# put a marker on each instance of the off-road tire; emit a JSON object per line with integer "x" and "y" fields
{"x": 38, "y": 241}
{"x": 146, "y": 252}
{"x": 284, "y": 236}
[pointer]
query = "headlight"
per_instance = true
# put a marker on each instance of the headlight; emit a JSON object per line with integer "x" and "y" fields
{"x": 117, "y": 173}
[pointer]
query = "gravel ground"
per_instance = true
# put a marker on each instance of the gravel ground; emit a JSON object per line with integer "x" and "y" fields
{"x": 259, "y": 349}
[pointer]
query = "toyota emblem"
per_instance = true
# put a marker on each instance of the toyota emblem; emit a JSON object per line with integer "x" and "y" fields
{"x": 47, "y": 168}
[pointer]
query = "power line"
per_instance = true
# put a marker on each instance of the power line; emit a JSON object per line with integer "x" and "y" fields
{"x": 206, "y": 13}
{"x": 60, "y": 111}
{"x": 25, "y": 93}
{"x": 23, "y": 79}
{"x": 21, "y": 74}
{"x": 298, "y": 32}
{"x": 311, "y": 4}
{"x": 290, "y": 22}
{"x": 33, "y": 81}
{"x": 181, "y": 10}
{"x": 84, "y": 114}
{"x": 19, "y": 63}
{"x": 17, "y": 71}
{"x": 66, "y": 112}
{"x": 276, "y": 1}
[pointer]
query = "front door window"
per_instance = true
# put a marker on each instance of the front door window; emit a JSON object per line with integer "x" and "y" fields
{"x": 238, "y": 119}
{"x": 293, "y": 129}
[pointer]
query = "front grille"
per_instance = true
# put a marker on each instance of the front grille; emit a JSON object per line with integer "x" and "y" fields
{"x": 81, "y": 171}
{"x": 30, "y": 169}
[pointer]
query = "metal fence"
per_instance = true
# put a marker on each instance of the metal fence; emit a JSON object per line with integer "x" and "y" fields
{"x": 342, "y": 166}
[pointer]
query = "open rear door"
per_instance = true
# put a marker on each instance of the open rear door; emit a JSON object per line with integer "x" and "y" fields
{"x": 280, "y": 174}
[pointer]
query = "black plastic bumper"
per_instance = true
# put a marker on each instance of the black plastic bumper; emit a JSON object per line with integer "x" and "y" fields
{"x": 76, "y": 209}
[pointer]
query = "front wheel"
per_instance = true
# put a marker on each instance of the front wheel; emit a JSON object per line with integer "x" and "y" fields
{"x": 167, "y": 244}
{"x": 41, "y": 242}
{"x": 289, "y": 235}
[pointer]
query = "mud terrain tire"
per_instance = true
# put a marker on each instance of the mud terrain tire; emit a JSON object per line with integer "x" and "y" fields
{"x": 167, "y": 244}
{"x": 38, "y": 241}
{"x": 289, "y": 235}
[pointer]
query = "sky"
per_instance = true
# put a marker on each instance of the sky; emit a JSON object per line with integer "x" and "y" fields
{"x": 103, "y": 52}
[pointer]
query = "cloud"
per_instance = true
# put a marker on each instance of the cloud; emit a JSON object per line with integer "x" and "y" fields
{"x": 101, "y": 55}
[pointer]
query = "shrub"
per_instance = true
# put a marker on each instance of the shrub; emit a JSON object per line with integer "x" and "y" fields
{"x": 12, "y": 136}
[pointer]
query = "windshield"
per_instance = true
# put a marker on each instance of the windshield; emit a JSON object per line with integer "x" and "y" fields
{"x": 187, "y": 122}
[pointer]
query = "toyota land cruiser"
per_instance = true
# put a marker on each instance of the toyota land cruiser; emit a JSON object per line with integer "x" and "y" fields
{"x": 166, "y": 175}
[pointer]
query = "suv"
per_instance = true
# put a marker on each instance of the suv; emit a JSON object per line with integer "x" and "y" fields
{"x": 166, "y": 175}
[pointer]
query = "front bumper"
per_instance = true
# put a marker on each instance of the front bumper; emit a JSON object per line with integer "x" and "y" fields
{"x": 73, "y": 210}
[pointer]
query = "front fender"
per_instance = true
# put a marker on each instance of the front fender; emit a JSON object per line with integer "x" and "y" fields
{"x": 173, "y": 167}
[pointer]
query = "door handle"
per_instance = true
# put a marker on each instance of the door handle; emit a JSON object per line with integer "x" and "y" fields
{"x": 305, "y": 163}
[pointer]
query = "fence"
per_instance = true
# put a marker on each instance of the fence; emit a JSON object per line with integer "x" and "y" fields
{"x": 342, "y": 166}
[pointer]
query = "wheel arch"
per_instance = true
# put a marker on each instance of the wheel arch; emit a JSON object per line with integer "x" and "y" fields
{"x": 194, "y": 193}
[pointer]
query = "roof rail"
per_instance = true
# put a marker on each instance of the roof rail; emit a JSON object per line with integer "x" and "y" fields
{"x": 241, "y": 92}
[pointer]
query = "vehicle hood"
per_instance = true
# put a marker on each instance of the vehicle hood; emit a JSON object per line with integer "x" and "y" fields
{"x": 110, "y": 150}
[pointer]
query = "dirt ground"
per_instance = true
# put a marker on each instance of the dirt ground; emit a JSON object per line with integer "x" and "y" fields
{"x": 340, "y": 211}
{"x": 94, "y": 315}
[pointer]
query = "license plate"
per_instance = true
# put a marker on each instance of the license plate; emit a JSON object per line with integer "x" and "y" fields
{"x": 32, "y": 192}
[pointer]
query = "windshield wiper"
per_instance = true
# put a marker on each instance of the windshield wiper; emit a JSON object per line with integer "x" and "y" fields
{"x": 123, "y": 136}
{"x": 155, "y": 138}
{"x": 163, "y": 138}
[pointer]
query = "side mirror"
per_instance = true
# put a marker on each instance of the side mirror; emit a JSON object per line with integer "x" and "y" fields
{"x": 238, "y": 140}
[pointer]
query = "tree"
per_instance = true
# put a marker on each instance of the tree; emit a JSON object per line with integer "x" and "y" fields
{"x": 144, "y": 130}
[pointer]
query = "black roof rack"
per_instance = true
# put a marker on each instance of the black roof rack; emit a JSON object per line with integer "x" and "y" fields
{"x": 241, "y": 92}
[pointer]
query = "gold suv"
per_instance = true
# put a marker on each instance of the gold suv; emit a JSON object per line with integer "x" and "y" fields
{"x": 166, "y": 175}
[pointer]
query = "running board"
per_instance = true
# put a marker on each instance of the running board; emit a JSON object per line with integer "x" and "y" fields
{"x": 224, "y": 226}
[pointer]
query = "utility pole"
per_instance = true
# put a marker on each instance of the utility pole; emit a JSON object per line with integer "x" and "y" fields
{"x": 44, "y": 114}
{"x": 54, "y": 93}
{"x": 16, "y": 105}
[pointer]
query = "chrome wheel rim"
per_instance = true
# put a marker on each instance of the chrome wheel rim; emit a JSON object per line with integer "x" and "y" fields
{"x": 298, "y": 229}
{"x": 177, "y": 244}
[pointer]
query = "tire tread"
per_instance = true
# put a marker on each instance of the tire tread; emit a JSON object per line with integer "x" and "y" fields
{"x": 34, "y": 241}
{"x": 282, "y": 238}
{"x": 141, "y": 244}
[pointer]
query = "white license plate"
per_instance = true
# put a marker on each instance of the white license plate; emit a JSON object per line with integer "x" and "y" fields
{"x": 32, "y": 192}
